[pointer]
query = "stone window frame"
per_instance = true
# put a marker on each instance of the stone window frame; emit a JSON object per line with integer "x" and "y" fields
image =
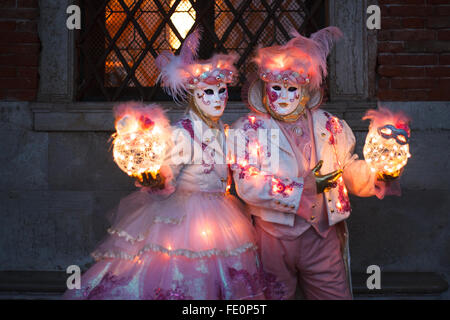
{"x": 352, "y": 74}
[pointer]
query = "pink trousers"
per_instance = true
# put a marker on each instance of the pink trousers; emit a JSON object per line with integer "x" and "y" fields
{"x": 310, "y": 261}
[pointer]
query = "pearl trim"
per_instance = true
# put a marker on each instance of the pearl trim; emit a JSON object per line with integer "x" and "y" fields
{"x": 179, "y": 252}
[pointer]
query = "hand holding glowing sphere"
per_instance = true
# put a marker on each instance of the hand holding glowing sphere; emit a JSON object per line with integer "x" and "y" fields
{"x": 387, "y": 150}
{"x": 140, "y": 140}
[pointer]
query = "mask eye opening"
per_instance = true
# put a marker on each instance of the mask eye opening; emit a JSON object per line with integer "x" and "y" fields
{"x": 401, "y": 138}
{"x": 209, "y": 91}
{"x": 386, "y": 132}
{"x": 276, "y": 88}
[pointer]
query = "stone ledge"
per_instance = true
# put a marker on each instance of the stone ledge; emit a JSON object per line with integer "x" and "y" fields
{"x": 405, "y": 284}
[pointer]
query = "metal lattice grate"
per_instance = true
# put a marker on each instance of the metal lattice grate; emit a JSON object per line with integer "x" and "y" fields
{"x": 120, "y": 39}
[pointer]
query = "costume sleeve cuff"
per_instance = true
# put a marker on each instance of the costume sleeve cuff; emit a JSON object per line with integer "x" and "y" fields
{"x": 387, "y": 188}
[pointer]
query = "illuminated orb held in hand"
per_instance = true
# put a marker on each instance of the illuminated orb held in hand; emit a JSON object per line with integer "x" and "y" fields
{"x": 140, "y": 140}
{"x": 387, "y": 144}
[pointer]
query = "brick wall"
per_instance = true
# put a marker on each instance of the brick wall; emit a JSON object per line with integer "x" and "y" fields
{"x": 414, "y": 50}
{"x": 19, "y": 49}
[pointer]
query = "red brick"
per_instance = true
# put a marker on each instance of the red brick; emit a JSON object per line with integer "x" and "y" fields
{"x": 28, "y": 72}
{"x": 408, "y": 59}
{"x": 391, "y": 94}
{"x": 27, "y": 26}
{"x": 384, "y": 83}
{"x": 18, "y": 83}
{"x": 413, "y": 83}
{"x": 402, "y": 35}
{"x": 22, "y": 95}
{"x": 417, "y": 95}
{"x": 444, "y": 59}
{"x": 19, "y": 37}
{"x": 442, "y": 11}
{"x": 413, "y": 23}
{"x": 8, "y": 72}
{"x": 437, "y": 1}
{"x": 387, "y": 46}
{"x": 437, "y": 71}
{"x": 7, "y": 25}
{"x": 23, "y": 60}
{"x": 384, "y": 35}
{"x": 385, "y": 59}
{"x": 441, "y": 92}
{"x": 387, "y": 2}
{"x": 438, "y": 22}
{"x": 427, "y": 46}
{"x": 21, "y": 14}
{"x": 444, "y": 83}
{"x": 384, "y": 10}
{"x": 27, "y": 4}
{"x": 444, "y": 35}
{"x": 390, "y": 23}
{"x": 417, "y": 60}
{"x": 439, "y": 95}
{"x": 7, "y": 4}
{"x": 401, "y": 71}
{"x": 20, "y": 49}
{"x": 412, "y": 35}
{"x": 409, "y": 11}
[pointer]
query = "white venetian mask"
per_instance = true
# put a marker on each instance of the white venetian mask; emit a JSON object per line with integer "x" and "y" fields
{"x": 283, "y": 99}
{"x": 211, "y": 99}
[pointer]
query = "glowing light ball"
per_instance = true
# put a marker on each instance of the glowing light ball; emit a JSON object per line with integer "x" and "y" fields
{"x": 140, "y": 140}
{"x": 387, "y": 150}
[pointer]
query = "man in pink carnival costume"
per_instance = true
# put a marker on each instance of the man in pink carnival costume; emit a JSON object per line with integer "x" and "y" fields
{"x": 299, "y": 213}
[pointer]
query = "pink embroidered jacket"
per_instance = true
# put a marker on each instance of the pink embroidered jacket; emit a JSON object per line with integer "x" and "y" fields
{"x": 266, "y": 173}
{"x": 196, "y": 160}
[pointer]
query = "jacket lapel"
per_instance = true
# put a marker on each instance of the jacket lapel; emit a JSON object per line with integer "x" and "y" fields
{"x": 282, "y": 141}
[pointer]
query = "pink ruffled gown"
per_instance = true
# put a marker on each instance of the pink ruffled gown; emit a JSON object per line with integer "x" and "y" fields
{"x": 192, "y": 241}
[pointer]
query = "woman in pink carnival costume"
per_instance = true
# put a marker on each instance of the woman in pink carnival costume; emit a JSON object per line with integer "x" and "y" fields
{"x": 299, "y": 213}
{"x": 182, "y": 235}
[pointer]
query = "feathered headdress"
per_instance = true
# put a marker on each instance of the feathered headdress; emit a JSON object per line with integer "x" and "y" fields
{"x": 301, "y": 60}
{"x": 181, "y": 73}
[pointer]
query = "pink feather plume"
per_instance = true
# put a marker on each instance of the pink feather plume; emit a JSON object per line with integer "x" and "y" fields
{"x": 173, "y": 68}
{"x": 307, "y": 57}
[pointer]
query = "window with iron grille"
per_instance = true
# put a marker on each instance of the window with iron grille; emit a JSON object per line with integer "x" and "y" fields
{"x": 120, "y": 39}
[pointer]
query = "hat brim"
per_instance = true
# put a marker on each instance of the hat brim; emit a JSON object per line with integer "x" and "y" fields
{"x": 256, "y": 94}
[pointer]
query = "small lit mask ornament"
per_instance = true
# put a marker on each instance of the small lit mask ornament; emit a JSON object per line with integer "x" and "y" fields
{"x": 211, "y": 100}
{"x": 387, "y": 150}
{"x": 283, "y": 99}
{"x": 390, "y": 132}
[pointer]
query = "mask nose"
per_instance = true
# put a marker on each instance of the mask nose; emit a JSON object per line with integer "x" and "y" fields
{"x": 216, "y": 98}
{"x": 283, "y": 93}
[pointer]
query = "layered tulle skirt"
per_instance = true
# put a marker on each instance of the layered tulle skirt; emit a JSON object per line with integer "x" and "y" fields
{"x": 188, "y": 245}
